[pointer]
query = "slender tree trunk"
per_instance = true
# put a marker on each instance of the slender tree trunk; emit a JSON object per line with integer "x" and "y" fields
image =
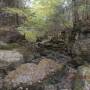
{"x": 75, "y": 20}
{"x": 76, "y": 27}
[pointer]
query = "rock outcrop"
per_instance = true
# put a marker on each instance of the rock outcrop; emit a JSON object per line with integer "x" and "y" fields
{"x": 31, "y": 74}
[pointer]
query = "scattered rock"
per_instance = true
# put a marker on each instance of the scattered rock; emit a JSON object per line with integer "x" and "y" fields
{"x": 31, "y": 74}
{"x": 82, "y": 81}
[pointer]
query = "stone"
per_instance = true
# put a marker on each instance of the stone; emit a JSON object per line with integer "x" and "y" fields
{"x": 31, "y": 74}
{"x": 3, "y": 43}
{"x": 10, "y": 57}
{"x": 82, "y": 81}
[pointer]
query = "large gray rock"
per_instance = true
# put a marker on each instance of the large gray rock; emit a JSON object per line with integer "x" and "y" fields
{"x": 83, "y": 78}
{"x": 8, "y": 58}
{"x": 31, "y": 74}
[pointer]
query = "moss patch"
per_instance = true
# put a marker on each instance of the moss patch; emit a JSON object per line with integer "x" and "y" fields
{"x": 9, "y": 46}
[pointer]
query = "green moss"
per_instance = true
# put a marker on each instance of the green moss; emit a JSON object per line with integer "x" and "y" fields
{"x": 9, "y": 46}
{"x": 31, "y": 35}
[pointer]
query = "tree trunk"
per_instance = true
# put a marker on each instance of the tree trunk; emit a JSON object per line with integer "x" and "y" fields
{"x": 76, "y": 26}
{"x": 8, "y": 19}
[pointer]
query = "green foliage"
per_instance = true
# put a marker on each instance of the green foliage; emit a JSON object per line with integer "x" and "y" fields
{"x": 30, "y": 33}
{"x": 14, "y": 11}
{"x": 42, "y": 15}
{"x": 37, "y": 17}
{"x": 39, "y": 12}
